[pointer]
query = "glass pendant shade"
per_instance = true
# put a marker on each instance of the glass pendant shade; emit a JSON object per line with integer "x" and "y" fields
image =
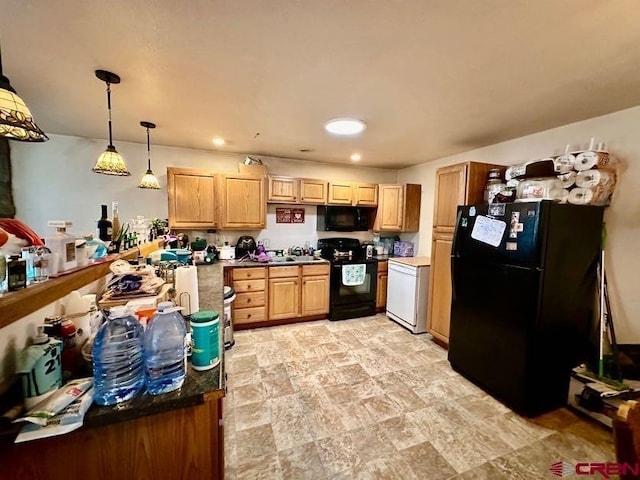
{"x": 149, "y": 180}
{"x": 110, "y": 162}
{"x": 16, "y": 121}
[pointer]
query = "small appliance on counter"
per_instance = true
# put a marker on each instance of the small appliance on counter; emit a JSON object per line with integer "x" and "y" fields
{"x": 227, "y": 252}
{"x": 244, "y": 246}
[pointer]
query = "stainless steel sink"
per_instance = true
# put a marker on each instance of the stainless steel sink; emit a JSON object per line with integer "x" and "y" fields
{"x": 294, "y": 259}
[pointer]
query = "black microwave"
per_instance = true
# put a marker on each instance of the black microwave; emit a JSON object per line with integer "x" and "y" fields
{"x": 345, "y": 219}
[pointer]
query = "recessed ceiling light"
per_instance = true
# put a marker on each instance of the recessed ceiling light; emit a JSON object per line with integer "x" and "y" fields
{"x": 219, "y": 141}
{"x": 345, "y": 126}
{"x": 355, "y": 157}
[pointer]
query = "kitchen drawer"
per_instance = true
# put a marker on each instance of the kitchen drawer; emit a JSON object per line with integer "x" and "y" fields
{"x": 249, "y": 285}
{"x": 383, "y": 266}
{"x": 248, "y": 273}
{"x": 249, "y": 315}
{"x": 315, "y": 270}
{"x": 282, "y": 272}
{"x": 249, "y": 299}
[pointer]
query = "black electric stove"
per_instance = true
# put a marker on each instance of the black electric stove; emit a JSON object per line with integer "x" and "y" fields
{"x": 349, "y": 299}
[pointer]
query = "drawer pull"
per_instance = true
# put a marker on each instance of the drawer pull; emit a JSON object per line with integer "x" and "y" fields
{"x": 248, "y": 300}
{"x": 248, "y": 315}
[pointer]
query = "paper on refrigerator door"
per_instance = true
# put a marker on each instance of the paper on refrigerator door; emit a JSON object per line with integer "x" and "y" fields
{"x": 488, "y": 230}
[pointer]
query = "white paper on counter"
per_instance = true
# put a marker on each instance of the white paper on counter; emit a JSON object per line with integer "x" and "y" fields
{"x": 488, "y": 230}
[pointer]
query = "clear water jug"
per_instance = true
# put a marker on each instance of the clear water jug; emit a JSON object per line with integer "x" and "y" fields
{"x": 164, "y": 344}
{"x": 118, "y": 358}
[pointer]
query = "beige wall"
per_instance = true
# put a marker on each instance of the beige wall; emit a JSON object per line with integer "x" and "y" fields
{"x": 54, "y": 181}
{"x": 619, "y": 131}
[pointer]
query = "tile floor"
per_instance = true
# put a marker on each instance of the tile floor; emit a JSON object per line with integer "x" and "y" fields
{"x": 365, "y": 399}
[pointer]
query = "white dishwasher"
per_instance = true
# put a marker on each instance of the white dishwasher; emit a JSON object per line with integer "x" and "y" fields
{"x": 408, "y": 291}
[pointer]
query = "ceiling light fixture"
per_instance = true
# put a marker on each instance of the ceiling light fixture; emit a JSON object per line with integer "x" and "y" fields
{"x": 110, "y": 162}
{"x": 219, "y": 141}
{"x": 345, "y": 126}
{"x": 149, "y": 180}
{"x": 356, "y": 157}
{"x": 16, "y": 121}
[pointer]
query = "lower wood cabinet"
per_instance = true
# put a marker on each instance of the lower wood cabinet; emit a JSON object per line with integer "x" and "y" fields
{"x": 250, "y": 287}
{"x": 286, "y": 292}
{"x": 284, "y": 297}
{"x": 381, "y": 293}
{"x": 440, "y": 286}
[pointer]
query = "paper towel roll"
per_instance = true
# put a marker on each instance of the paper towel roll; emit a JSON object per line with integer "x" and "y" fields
{"x": 593, "y": 178}
{"x": 564, "y": 163}
{"x": 186, "y": 281}
{"x": 591, "y": 159}
{"x": 568, "y": 179}
{"x": 581, "y": 196}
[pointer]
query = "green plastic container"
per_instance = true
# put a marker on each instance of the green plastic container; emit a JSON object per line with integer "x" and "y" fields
{"x": 205, "y": 350}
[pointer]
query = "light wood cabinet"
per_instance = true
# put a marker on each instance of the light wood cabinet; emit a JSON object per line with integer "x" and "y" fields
{"x": 282, "y": 189}
{"x": 315, "y": 295}
{"x": 284, "y": 297}
{"x": 250, "y": 286}
{"x": 192, "y": 198}
{"x": 242, "y": 202}
{"x": 313, "y": 191}
{"x": 440, "y": 286}
{"x": 398, "y": 208}
{"x": 340, "y": 193}
{"x": 365, "y": 194}
{"x": 381, "y": 292}
{"x": 460, "y": 184}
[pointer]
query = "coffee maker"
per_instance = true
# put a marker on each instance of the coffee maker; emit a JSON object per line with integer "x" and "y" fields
{"x": 244, "y": 246}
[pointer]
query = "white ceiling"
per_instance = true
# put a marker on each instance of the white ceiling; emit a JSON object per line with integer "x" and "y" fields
{"x": 430, "y": 77}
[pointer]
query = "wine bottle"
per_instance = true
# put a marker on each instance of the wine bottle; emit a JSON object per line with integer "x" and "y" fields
{"x": 115, "y": 220}
{"x": 105, "y": 227}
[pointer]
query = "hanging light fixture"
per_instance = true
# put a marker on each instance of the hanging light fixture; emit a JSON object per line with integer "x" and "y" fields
{"x": 110, "y": 162}
{"x": 16, "y": 121}
{"x": 149, "y": 180}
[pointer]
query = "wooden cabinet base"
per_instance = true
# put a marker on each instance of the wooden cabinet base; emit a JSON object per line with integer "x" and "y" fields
{"x": 273, "y": 323}
{"x": 186, "y": 443}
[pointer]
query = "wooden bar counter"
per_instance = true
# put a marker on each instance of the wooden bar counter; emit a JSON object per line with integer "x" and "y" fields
{"x": 178, "y": 435}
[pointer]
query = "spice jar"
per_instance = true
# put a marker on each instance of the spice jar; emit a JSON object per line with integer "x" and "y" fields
{"x": 494, "y": 185}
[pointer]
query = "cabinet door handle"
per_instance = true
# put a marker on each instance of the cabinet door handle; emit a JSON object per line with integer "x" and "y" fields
{"x": 248, "y": 300}
{"x": 249, "y": 315}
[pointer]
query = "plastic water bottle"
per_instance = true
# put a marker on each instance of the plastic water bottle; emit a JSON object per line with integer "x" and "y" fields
{"x": 164, "y": 343}
{"x": 118, "y": 358}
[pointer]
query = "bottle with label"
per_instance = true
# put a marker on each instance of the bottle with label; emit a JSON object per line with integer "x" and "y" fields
{"x": 62, "y": 246}
{"x": 97, "y": 249}
{"x": 16, "y": 273}
{"x": 115, "y": 219}
{"x": 40, "y": 368}
{"x": 105, "y": 227}
{"x": 164, "y": 346}
{"x": 118, "y": 358}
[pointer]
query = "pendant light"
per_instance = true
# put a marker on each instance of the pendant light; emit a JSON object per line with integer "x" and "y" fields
{"x": 110, "y": 162}
{"x": 149, "y": 180}
{"x": 16, "y": 121}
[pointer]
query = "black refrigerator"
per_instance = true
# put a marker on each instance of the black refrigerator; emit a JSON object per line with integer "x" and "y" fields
{"x": 523, "y": 298}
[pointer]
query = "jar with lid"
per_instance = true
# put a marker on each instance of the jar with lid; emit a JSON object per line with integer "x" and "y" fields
{"x": 494, "y": 185}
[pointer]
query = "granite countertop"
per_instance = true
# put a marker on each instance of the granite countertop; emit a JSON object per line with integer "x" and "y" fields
{"x": 279, "y": 263}
{"x": 197, "y": 384}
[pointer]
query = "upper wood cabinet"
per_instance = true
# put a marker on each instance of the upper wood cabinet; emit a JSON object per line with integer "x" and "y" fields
{"x": 340, "y": 193}
{"x": 398, "y": 208}
{"x": 365, "y": 194}
{"x": 460, "y": 184}
{"x": 192, "y": 198}
{"x": 282, "y": 189}
{"x": 242, "y": 202}
{"x": 313, "y": 191}
{"x": 349, "y": 193}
